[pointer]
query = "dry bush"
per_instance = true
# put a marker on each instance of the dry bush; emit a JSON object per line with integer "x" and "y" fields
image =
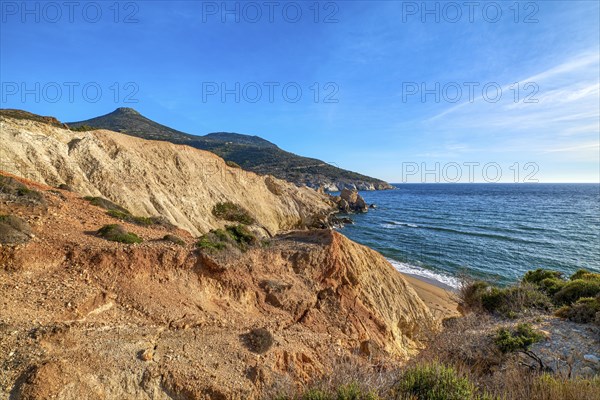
{"x": 464, "y": 341}
{"x": 353, "y": 378}
{"x": 514, "y": 383}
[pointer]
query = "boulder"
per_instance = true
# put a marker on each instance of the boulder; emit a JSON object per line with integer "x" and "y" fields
{"x": 354, "y": 200}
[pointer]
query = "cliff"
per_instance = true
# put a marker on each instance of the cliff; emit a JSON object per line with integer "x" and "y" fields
{"x": 83, "y": 317}
{"x": 154, "y": 178}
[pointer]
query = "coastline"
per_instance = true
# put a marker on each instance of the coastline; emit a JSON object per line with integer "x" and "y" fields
{"x": 439, "y": 297}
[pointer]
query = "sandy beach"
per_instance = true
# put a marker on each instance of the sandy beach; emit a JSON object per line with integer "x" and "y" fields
{"x": 438, "y": 297}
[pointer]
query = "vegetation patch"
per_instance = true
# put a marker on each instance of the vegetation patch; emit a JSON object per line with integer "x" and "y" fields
{"x": 117, "y": 233}
{"x": 434, "y": 382}
{"x": 82, "y": 128}
{"x": 174, "y": 239}
{"x": 229, "y": 211}
{"x": 232, "y": 164}
{"x": 510, "y": 301}
{"x": 127, "y": 217}
{"x": 238, "y": 236}
{"x": 208, "y": 242}
{"x": 538, "y": 290}
{"x": 19, "y": 193}
{"x": 105, "y": 203}
{"x": 14, "y": 230}
{"x": 518, "y": 339}
{"x": 120, "y": 213}
{"x": 258, "y": 340}
{"x": 585, "y": 310}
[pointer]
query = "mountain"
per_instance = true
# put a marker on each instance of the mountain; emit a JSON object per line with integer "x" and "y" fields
{"x": 252, "y": 153}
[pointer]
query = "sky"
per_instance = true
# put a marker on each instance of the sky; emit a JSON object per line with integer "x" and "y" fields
{"x": 404, "y": 91}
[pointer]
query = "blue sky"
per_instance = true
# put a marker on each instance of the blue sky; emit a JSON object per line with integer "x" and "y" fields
{"x": 369, "y": 63}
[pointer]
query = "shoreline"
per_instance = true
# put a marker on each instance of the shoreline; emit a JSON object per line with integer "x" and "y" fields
{"x": 439, "y": 297}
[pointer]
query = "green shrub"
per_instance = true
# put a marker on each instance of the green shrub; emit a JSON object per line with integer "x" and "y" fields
{"x": 433, "y": 382}
{"x": 583, "y": 311}
{"x": 537, "y": 276}
{"x": 117, "y": 233}
{"x": 576, "y": 289}
{"x": 519, "y": 339}
{"x": 174, "y": 239}
{"x": 470, "y": 294}
{"x": 207, "y": 242}
{"x": 350, "y": 391}
{"x": 316, "y": 394}
{"x": 105, "y": 203}
{"x": 229, "y": 211}
{"x": 551, "y": 286}
{"x": 82, "y": 128}
{"x": 241, "y": 234}
{"x": 232, "y": 164}
{"x": 583, "y": 274}
{"x": 127, "y": 217}
{"x": 234, "y": 235}
{"x": 222, "y": 235}
{"x": 514, "y": 299}
{"x": 19, "y": 192}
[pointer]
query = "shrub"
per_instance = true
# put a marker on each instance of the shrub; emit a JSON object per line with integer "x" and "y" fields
{"x": 14, "y": 230}
{"x": 470, "y": 294}
{"x": 241, "y": 235}
{"x": 174, "y": 239}
{"x": 117, "y": 233}
{"x": 104, "y": 203}
{"x": 19, "y": 192}
{"x": 142, "y": 221}
{"x": 519, "y": 339}
{"x": 208, "y": 242}
{"x": 551, "y": 286}
{"x": 232, "y": 164}
{"x": 258, "y": 340}
{"x": 82, "y": 128}
{"x": 514, "y": 299}
{"x": 433, "y": 382}
{"x": 576, "y": 289}
{"x": 127, "y": 217}
{"x": 229, "y": 211}
{"x": 350, "y": 391}
{"x": 537, "y": 276}
{"x": 234, "y": 235}
{"x": 583, "y": 311}
{"x": 582, "y": 274}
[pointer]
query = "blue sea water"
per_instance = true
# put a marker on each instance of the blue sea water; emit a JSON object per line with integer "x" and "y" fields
{"x": 492, "y": 231}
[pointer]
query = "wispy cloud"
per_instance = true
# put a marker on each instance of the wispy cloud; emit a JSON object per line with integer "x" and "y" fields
{"x": 567, "y": 104}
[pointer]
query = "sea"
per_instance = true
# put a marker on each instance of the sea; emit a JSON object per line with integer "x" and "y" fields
{"x": 495, "y": 232}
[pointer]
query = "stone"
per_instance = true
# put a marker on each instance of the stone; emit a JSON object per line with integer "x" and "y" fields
{"x": 591, "y": 358}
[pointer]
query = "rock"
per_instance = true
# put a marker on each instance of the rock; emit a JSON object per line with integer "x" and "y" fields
{"x": 373, "y": 206}
{"x": 591, "y": 358}
{"x": 146, "y": 355}
{"x": 344, "y": 206}
{"x": 354, "y": 200}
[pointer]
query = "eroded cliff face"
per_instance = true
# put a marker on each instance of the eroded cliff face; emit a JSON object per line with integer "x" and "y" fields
{"x": 152, "y": 178}
{"x": 83, "y": 317}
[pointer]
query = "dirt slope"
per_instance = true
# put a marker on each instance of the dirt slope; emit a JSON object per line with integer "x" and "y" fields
{"x": 82, "y": 317}
{"x": 152, "y": 178}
